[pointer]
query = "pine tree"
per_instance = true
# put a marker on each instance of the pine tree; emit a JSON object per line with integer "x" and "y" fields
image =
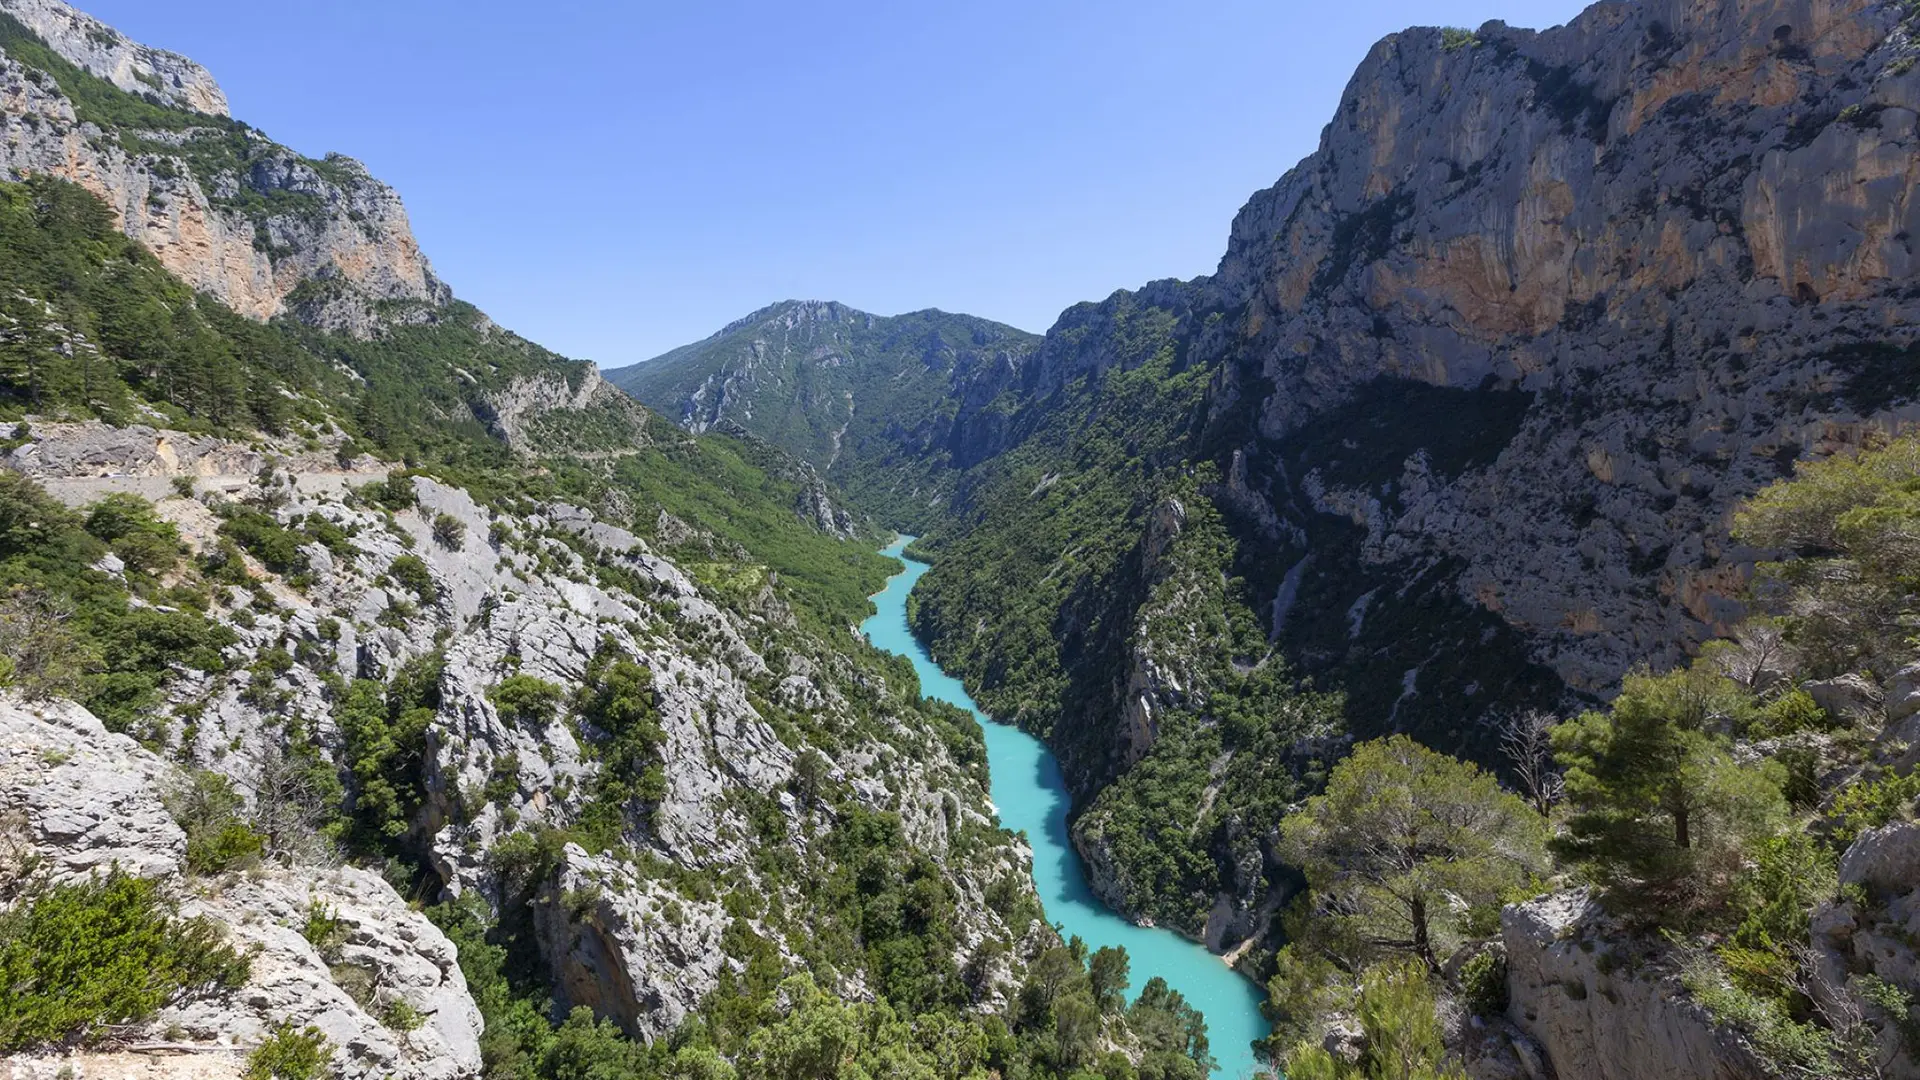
{"x": 1403, "y": 833}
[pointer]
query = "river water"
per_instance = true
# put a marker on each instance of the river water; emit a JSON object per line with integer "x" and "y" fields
{"x": 1030, "y": 795}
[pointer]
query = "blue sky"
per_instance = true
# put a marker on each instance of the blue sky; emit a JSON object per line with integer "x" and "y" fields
{"x": 613, "y": 180}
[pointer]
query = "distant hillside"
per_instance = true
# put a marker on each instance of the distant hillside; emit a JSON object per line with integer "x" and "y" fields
{"x": 871, "y": 401}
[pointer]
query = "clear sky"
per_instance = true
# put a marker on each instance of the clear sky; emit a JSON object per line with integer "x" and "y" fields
{"x": 616, "y": 179}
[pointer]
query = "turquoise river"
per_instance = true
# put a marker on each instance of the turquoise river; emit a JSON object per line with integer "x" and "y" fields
{"x": 1031, "y": 797}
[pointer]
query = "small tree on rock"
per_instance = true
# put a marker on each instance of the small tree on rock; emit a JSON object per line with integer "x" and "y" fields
{"x": 1406, "y": 841}
{"x": 1661, "y": 810}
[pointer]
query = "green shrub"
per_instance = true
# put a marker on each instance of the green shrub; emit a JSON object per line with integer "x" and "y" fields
{"x": 1790, "y": 714}
{"x": 107, "y": 950}
{"x": 384, "y": 735}
{"x": 1870, "y": 805}
{"x": 395, "y": 492}
{"x": 525, "y": 699}
{"x": 1483, "y": 983}
{"x": 411, "y": 574}
{"x": 323, "y": 930}
{"x": 401, "y": 1016}
{"x": 263, "y": 537}
{"x": 209, "y": 811}
{"x": 1396, "y": 1010}
{"x": 449, "y": 531}
{"x": 128, "y": 524}
{"x": 1799, "y": 1049}
{"x": 291, "y": 1053}
{"x": 616, "y": 709}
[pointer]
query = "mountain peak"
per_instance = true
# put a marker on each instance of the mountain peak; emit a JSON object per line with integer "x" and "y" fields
{"x": 100, "y": 50}
{"x": 794, "y": 312}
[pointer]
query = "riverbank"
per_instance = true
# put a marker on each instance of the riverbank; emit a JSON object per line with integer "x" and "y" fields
{"x": 1027, "y": 789}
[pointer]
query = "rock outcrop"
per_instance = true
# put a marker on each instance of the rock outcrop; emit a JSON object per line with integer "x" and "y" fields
{"x": 222, "y": 207}
{"x": 86, "y": 800}
{"x": 1602, "y": 1005}
{"x": 1870, "y": 932}
{"x": 99, "y": 49}
{"x": 1676, "y": 229}
{"x": 629, "y": 948}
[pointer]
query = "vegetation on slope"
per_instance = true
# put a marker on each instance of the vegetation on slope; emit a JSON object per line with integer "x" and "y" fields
{"x": 101, "y": 331}
{"x": 79, "y": 957}
{"x": 1045, "y": 598}
{"x": 1707, "y": 805}
{"x": 868, "y": 400}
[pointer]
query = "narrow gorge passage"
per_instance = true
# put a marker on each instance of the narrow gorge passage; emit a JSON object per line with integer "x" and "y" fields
{"x": 1027, "y": 790}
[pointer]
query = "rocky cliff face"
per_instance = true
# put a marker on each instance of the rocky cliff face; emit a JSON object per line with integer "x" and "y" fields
{"x": 85, "y": 800}
{"x": 1607, "y": 1005}
{"x": 1680, "y": 229}
{"x": 100, "y": 50}
{"x": 262, "y": 228}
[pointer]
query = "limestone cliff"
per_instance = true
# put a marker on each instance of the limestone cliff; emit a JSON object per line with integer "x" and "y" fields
{"x": 227, "y": 210}
{"x": 99, "y": 49}
{"x": 1681, "y": 229}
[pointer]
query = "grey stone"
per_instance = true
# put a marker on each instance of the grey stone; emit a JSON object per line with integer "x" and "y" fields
{"x": 1599, "y": 1018}
{"x": 1847, "y": 697}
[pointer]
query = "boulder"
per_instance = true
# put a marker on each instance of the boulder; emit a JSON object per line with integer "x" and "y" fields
{"x": 1603, "y": 1007}
{"x": 1903, "y": 694}
{"x": 1847, "y": 697}
{"x": 1884, "y": 860}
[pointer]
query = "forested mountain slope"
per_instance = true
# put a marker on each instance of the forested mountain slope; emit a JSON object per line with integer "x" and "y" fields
{"x": 889, "y": 408}
{"x": 385, "y": 695}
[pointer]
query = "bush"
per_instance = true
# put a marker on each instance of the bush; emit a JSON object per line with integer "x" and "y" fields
{"x": 1790, "y": 714}
{"x": 40, "y": 656}
{"x": 1798, "y": 1049}
{"x": 127, "y": 523}
{"x": 1397, "y": 1014}
{"x": 411, "y": 574}
{"x": 395, "y": 492}
{"x": 1864, "y": 806}
{"x": 291, "y": 1054}
{"x": 401, "y": 1016}
{"x": 526, "y": 700}
{"x": 384, "y": 734}
{"x": 1483, "y": 983}
{"x": 219, "y": 837}
{"x": 449, "y": 531}
{"x": 265, "y": 539}
{"x": 107, "y": 950}
{"x": 323, "y": 930}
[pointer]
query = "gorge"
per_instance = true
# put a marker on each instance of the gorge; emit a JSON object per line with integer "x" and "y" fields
{"x": 1483, "y": 609}
{"x": 1030, "y": 798}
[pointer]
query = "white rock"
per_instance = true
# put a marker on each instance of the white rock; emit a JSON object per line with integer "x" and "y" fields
{"x": 1603, "y": 1016}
